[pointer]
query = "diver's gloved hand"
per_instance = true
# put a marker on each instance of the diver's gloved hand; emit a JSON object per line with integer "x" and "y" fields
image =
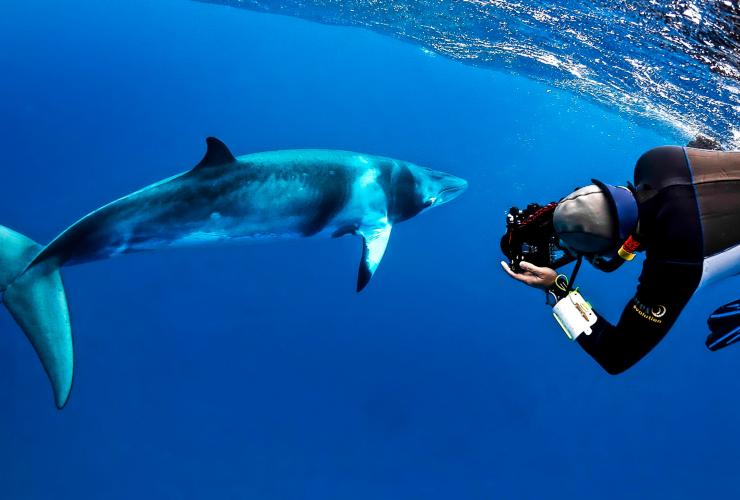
{"x": 537, "y": 277}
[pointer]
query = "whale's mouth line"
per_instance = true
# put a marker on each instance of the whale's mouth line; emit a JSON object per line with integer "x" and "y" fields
{"x": 452, "y": 189}
{"x": 449, "y": 193}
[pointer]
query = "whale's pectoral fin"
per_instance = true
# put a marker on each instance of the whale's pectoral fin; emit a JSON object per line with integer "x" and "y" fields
{"x": 217, "y": 154}
{"x": 374, "y": 243}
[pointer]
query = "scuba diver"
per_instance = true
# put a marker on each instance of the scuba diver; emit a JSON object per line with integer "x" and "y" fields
{"x": 683, "y": 211}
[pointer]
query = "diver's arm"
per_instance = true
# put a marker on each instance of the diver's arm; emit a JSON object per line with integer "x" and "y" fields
{"x": 663, "y": 292}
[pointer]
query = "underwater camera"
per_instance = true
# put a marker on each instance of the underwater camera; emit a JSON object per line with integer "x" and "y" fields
{"x": 530, "y": 236}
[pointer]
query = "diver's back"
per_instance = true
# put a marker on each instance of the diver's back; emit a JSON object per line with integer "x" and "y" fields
{"x": 716, "y": 176}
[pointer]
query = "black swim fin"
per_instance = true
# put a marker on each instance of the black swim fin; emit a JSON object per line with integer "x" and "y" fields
{"x": 725, "y": 326}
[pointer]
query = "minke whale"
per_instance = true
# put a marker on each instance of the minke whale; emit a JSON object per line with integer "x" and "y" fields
{"x": 261, "y": 196}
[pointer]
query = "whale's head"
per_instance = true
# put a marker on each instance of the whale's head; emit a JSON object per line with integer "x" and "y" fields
{"x": 419, "y": 188}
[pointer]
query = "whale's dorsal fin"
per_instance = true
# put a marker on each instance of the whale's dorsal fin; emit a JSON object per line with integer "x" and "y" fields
{"x": 217, "y": 154}
{"x": 374, "y": 243}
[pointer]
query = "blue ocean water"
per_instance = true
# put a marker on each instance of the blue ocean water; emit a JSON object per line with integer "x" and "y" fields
{"x": 256, "y": 371}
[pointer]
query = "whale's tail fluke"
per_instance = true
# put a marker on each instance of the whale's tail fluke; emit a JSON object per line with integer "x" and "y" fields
{"x": 35, "y": 298}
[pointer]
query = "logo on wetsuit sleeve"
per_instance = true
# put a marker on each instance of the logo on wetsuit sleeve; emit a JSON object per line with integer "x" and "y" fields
{"x": 652, "y": 314}
{"x": 659, "y": 311}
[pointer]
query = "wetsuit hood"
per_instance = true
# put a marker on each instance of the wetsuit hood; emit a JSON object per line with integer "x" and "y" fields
{"x": 595, "y": 220}
{"x": 623, "y": 206}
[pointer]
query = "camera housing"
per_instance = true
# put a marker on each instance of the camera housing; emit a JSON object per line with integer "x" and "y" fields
{"x": 530, "y": 236}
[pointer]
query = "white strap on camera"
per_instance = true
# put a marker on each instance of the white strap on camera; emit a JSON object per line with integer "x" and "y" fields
{"x": 574, "y": 315}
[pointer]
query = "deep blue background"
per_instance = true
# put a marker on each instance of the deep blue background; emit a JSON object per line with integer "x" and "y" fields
{"x": 257, "y": 372}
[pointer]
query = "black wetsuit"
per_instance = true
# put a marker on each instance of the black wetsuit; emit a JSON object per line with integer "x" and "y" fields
{"x": 689, "y": 212}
